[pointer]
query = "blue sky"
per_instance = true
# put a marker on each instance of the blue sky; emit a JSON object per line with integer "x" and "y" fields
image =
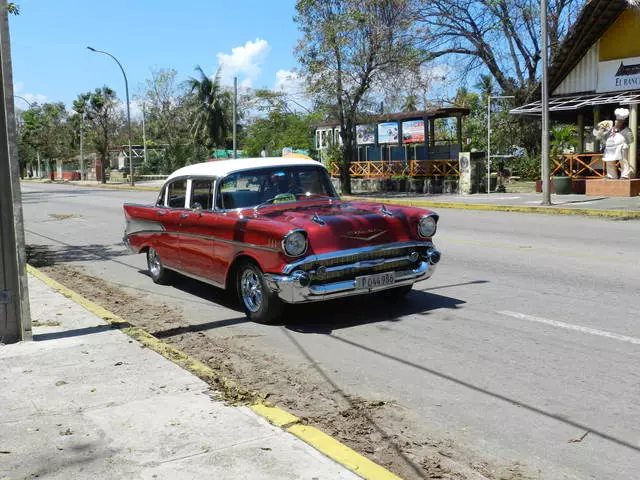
{"x": 254, "y": 40}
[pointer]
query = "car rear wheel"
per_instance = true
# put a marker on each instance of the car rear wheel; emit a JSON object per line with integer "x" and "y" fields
{"x": 258, "y": 302}
{"x": 158, "y": 273}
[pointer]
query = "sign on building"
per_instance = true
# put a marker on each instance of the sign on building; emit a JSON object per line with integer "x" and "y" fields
{"x": 413, "y": 131}
{"x": 388, "y": 132}
{"x": 617, "y": 75}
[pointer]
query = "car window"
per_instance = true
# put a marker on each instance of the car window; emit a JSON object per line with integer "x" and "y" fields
{"x": 275, "y": 184}
{"x": 177, "y": 193}
{"x": 202, "y": 193}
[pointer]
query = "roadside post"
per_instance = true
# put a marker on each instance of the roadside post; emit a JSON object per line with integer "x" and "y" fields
{"x": 15, "y": 318}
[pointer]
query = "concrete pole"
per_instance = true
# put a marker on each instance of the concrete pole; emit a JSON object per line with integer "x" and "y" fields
{"x": 488, "y": 143}
{"x": 15, "y": 317}
{"x": 633, "y": 148}
{"x": 82, "y": 148}
{"x": 546, "y": 187}
{"x": 144, "y": 135}
{"x": 235, "y": 113}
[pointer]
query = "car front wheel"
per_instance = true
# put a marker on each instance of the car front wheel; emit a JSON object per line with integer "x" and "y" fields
{"x": 158, "y": 273}
{"x": 258, "y": 302}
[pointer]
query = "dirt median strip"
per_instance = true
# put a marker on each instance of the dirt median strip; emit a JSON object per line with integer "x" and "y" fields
{"x": 551, "y": 210}
{"x": 322, "y": 442}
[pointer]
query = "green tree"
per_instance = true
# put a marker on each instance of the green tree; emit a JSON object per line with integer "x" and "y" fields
{"x": 46, "y": 129}
{"x": 499, "y": 35}
{"x": 100, "y": 107}
{"x": 212, "y": 109}
{"x": 346, "y": 47}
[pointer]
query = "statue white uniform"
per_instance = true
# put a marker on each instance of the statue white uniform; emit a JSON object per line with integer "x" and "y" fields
{"x": 616, "y": 144}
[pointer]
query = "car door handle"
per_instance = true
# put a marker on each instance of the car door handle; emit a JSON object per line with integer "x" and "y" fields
{"x": 184, "y": 215}
{"x": 161, "y": 212}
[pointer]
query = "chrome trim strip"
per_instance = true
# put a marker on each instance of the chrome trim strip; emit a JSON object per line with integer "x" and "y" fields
{"x": 135, "y": 226}
{"x": 289, "y": 289}
{"x": 196, "y": 277}
{"x": 212, "y": 238}
{"x": 354, "y": 251}
{"x": 366, "y": 239}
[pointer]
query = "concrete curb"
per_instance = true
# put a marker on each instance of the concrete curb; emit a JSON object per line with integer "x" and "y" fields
{"x": 551, "y": 210}
{"x": 322, "y": 442}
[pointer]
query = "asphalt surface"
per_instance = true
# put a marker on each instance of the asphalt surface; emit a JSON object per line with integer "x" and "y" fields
{"x": 526, "y": 338}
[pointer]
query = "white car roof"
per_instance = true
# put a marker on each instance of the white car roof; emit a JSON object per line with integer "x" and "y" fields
{"x": 221, "y": 168}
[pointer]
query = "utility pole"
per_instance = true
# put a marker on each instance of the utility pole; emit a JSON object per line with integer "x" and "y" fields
{"x": 235, "y": 114}
{"x": 546, "y": 188}
{"x": 144, "y": 136}
{"x": 82, "y": 146}
{"x": 15, "y": 317}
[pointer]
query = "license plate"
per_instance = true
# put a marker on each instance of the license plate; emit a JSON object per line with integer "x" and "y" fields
{"x": 369, "y": 282}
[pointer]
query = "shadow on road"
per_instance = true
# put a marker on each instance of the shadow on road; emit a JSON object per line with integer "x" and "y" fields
{"x": 325, "y": 317}
{"x": 49, "y": 255}
{"x": 495, "y": 395}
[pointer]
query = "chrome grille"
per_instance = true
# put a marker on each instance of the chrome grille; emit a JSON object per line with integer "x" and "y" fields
{"x": 347, "y": 267}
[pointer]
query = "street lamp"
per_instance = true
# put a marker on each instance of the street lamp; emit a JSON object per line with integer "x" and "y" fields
{"x": 37, "y": 150}
{"x": 126, "y": 88}
{"x": 489, "y": 99}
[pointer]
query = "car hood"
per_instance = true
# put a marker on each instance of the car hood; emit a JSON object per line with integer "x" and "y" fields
{"x": 339, "y": 225}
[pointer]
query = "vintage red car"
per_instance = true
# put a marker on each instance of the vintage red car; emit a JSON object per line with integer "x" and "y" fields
{"x": 275, "y": 231}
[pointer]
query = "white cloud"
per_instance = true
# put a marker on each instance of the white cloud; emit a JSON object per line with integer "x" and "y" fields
{"x": 292, "y": 84}
{"x": 243, "y": 62}
{"x": 18, "y": 90}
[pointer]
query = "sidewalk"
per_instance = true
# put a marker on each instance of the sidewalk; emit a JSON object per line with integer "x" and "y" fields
{"x": 518, "y": 202}
{"x": 84, "y": 400}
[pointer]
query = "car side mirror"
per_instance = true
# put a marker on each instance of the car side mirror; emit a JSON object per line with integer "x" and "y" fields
{"x": 196, "y": 207}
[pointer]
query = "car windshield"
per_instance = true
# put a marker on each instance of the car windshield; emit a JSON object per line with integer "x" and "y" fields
{"x": 273, "y": 185}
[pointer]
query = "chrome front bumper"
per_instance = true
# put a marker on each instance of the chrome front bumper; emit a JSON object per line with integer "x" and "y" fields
{"x": 297, "y": 288}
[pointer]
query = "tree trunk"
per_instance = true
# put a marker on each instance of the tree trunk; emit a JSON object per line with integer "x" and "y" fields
{"x": 345, "y": 178}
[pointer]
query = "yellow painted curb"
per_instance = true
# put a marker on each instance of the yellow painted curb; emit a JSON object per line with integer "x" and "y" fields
{"x": 503, "y": 208}
{"x": 275, "y": 415}
{"x": 341, "y": 453}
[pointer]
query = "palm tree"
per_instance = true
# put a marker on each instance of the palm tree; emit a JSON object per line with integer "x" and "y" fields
{"x": 211, "y": 122}
{"x": 13, "y": 8}
{"x": 485, "y": 84}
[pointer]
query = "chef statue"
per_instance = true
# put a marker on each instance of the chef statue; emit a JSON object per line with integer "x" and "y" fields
{"x": 616, "y": 137}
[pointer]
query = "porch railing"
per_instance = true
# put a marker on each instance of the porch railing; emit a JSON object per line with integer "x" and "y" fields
{"x": 411, "y": 168}
{"x": 579, "y": 165}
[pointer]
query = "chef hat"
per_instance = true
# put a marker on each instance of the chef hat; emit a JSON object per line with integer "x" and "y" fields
{"x": 621, "y": 113}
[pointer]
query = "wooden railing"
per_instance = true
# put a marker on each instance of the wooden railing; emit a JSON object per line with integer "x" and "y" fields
{"x": 578, "y": 165}
{"x": 412, "y": 168}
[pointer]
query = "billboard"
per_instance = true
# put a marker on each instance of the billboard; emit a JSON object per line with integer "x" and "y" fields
{"x": 388, "y": 132}
{"x": 413, "y": 131}
{"x": 365, "y": 134}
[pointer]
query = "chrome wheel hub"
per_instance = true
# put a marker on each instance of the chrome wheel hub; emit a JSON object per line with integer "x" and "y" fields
{"x": 251, "y": 290}
{"x": 154, "y": 262}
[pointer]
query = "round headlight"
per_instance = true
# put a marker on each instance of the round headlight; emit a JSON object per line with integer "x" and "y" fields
{"x": 295, "y": 243}
{"x": 427, "y": 226}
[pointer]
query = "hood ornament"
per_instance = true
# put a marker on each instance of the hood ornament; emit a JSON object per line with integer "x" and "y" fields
{"x": 385, "y": 211}
{"x": 318, "y": 220}
{"x": 364, "y": 235}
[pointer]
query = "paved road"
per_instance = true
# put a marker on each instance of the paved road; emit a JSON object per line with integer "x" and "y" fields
{"x": 527, "y": 337}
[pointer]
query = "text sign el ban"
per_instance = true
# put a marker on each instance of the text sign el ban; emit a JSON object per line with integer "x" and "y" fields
{"x": 618, "y": 75}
